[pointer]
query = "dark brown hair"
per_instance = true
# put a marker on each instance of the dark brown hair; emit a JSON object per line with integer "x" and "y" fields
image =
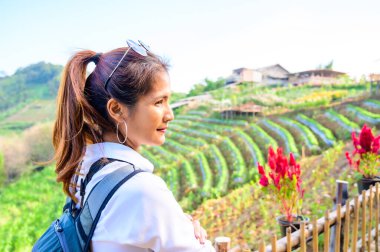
{"x": 82, "y": 114}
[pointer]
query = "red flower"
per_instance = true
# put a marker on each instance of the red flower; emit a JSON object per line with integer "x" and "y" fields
{"x": 376, "y": 145}
{"x": 365, "y": 139}
{"x": 365, "y": 158}
{"x": 264, "y": 181}
{"x": 261, "y": 170}
{"x": 348, "y": 158}
{"x": 285, "y": 180}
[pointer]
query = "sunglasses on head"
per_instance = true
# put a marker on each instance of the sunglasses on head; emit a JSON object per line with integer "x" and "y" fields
{"x": 139, "y": 48}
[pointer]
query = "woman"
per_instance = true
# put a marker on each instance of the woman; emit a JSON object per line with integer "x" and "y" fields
{"x": 121, "y": 105}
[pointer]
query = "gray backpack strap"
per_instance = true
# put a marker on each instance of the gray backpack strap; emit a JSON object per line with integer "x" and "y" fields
{"x": 97, "y": 200}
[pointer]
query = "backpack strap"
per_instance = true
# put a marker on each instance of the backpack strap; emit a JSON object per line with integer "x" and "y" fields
{"x": 97, "y": 200}
{"x": 98, "y": 165}
{"x": 95, "y": 167}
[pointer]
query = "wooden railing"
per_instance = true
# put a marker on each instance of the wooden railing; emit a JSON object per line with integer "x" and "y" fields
{"x": 355, "y": 219}
{"x": 351, "y": 227}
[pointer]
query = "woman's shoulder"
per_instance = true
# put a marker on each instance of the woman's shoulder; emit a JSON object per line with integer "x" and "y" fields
{"x": 141, "y": 194}
{"x": 143, "y": 184}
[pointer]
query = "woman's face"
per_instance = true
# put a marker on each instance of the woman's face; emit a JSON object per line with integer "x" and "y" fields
{"x": 148, "y": 121}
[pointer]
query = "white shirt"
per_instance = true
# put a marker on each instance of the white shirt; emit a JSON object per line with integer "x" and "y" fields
{"x": 143, "y": 214}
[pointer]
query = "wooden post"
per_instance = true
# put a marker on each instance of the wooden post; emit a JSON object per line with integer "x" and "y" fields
{"x": 341, "y": 197}
{"x": 370, "y": 218}
{"x": 302, "y": 238}
{"x": 327, "y": 232}
{"x": 262, "y": 247}
{"x": 377, "y": 218}
{"x": 356, "y": 223}
{"x": 222, "y": 244}
{"x": 338, "y": 228}
{"x": 288, "y": 239}
{"x": 364, "y": 203}
{"x": 274, "y": 242}
{"x": 341, "y": 192}
{"x": 315, "y": 235}
{"x": 347, "y": 227}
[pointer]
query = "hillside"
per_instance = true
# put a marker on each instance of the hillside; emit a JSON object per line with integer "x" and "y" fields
{"x": 36, "y": 81}
{"x": 27, "y": 97}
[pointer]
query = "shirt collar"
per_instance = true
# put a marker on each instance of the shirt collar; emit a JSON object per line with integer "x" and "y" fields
{"x": 116, "y": 151}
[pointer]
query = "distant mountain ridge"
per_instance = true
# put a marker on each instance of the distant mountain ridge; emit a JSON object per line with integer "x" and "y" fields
{"x": 36, "y": 81}
{"x": 2, "y": 74}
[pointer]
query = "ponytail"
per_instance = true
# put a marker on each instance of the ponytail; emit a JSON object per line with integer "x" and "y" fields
{"x": 69, "y": 136}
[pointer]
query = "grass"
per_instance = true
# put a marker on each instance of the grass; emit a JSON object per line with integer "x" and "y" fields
{"x": 20, "y": 118}
{"x": 28, "y": 206}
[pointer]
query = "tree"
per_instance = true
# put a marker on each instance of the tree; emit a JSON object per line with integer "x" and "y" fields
{"x": 208, "y": 85}
{"x": 330, "y": 65}
{"x": 197, "y": 90}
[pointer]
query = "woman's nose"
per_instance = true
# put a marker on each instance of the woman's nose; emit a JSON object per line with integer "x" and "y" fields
{"x": 169, "y": 115}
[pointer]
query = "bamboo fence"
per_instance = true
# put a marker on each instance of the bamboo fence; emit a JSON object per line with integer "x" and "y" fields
{"x": 356, "y": 229}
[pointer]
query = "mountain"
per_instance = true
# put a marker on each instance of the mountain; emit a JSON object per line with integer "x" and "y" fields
{"x": 36, "y": 81}
{"x": 2, "y": 74}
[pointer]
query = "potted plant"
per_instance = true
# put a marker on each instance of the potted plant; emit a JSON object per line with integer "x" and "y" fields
{"x": 281, "y": 179}
{"x": 365, "y": 158}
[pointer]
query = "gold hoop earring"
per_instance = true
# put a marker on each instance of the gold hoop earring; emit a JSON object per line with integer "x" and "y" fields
{"x": 117, "y": 132}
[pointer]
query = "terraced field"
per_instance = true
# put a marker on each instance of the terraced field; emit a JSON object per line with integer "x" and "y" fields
{"x": 210, "y": 166}
{"x": 222, "y": 154}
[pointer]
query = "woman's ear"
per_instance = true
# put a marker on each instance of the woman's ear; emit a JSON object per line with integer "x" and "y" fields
{"x": 115, "y": 110}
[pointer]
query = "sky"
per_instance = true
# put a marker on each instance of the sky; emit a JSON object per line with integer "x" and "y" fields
{"x": 201, "y": 39}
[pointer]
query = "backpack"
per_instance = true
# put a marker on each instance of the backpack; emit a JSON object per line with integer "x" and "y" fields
{"x": 73, "y": 231}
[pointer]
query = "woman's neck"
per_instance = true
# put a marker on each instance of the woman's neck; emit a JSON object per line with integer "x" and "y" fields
{"x": 111, "y": 137}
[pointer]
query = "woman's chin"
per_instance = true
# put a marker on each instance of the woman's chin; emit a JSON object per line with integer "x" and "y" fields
{"x": 158, "y": 142}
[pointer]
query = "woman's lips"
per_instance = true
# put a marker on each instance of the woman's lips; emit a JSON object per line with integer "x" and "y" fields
{"x": 162, "y": 130}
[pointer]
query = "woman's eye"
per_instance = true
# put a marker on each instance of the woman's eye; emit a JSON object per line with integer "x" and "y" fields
{"x": 159, "y": 102}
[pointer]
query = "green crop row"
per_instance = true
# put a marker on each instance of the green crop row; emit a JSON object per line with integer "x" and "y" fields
{"x": 196, "y": 133}
{"x": 187, "y": 175}
{"x": 185, "y": 139}
{"x": 241, "y": 123}
{"x": 343, "y": 121}
{"x": 229, "y": 150}
{"x": 197, "y": 161}
{"x": 322, "y": 132}
{"x": 364, "y": 115}
{"x": 152, "y": 158}
{"x": 251, "y": 150}
{"x": 261, "y": 137}
{"x": 235, "y": 162}
{"x": 171, "y": 177}
{"x": 164, "y": 158}
{"x": 374, "y": 102}
{"x": 302, "y": 133}
{"x": 221, "y": 176}
{"x": 283, "y": 134}
{"x": 205, "y": 172}
{"x": 168, "y": 168}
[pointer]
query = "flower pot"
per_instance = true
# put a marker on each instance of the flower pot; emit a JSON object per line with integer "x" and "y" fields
{"x": 295, "y": 224}
{"x": 365, "y": 183}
